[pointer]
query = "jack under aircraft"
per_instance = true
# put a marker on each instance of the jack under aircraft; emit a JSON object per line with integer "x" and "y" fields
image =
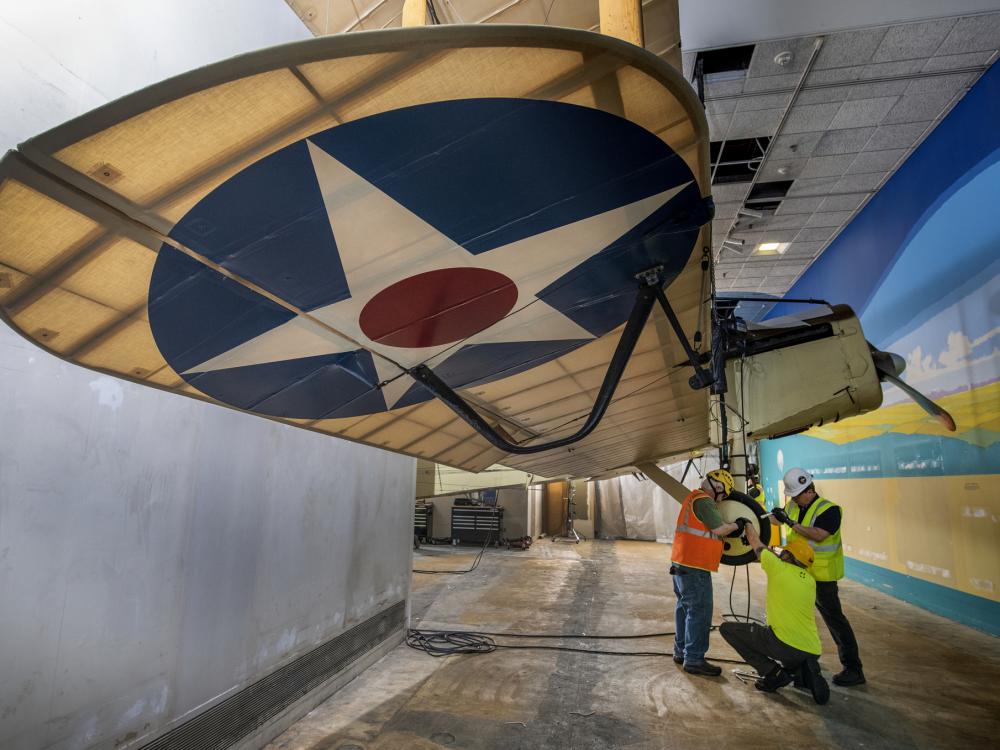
{"x": 469, "y": 244}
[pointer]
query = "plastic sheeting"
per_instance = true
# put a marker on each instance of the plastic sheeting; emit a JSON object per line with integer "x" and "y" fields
{"x": 630, "y": 507}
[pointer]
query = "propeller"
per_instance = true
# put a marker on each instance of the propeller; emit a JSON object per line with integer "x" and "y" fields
{"x": 889, "y": 367}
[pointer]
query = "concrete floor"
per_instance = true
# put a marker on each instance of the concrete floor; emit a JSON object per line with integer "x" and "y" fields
{"x": 932, "y": 683}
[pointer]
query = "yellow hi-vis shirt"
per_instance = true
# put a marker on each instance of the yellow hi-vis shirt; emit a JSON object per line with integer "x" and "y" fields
{"x": 791, "y": 599}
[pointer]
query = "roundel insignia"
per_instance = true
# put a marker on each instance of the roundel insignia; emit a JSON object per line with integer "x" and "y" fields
{"x": 483, "y": 237}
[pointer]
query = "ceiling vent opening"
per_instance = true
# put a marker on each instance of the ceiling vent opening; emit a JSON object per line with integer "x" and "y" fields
{"x": 725, "y": 64}
{"x": 769, "y": 191}
{"x": 736, "y": 160}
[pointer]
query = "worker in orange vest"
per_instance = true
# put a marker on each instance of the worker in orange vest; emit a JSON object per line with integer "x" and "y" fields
{"x": 696, "y": 554}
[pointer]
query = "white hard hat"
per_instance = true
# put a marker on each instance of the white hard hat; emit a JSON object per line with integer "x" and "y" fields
{"x": 796, "y": 480}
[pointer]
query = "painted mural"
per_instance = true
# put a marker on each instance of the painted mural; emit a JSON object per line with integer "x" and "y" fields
{"x": 921, "y": 266}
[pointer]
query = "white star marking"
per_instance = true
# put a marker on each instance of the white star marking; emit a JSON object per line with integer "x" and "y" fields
{"x": 382, "y": 242}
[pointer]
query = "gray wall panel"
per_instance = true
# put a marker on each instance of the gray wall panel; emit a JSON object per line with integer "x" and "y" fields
{"x": 157, "y": 553}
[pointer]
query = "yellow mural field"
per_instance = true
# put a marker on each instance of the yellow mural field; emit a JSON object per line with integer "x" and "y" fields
{"x": 976, "y": 412}
{"x": 945, "y": 530}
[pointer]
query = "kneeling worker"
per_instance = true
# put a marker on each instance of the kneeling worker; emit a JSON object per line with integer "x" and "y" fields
{"x": 696, "y": 554}
{"x": 788, "y": 646}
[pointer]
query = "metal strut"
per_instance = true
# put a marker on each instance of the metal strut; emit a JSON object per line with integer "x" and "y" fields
{"x": 702, "y": 378}
{"x": 644, "y": 300}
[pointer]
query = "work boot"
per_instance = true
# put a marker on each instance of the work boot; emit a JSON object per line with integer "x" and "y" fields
{"x": 678, "y": 659}
{"x": 773, "y": 681}
{"x": 813, "y": 680}
{"x": 703, "y": 668}
{"x": 849, "y": 678}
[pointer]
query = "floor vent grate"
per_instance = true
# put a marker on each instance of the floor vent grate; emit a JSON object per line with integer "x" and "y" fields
{"x": 228, "y": 722}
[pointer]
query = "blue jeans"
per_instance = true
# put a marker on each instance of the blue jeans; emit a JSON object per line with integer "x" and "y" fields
{"x": 693, "y": 614}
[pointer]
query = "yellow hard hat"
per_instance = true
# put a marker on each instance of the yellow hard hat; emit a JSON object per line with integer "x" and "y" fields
{"x": 801, "y": 551}
{"x": 724, "y": 478}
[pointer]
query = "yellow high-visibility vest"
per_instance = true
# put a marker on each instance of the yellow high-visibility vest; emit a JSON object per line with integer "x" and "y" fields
{"x": 829, "y": 563}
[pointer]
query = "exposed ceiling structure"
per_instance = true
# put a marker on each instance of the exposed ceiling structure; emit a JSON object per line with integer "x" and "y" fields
{"x": 833, "y": 132}
{"x": 838, "y": 125}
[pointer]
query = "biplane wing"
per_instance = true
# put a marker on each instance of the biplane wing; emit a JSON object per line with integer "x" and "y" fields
{"x": 292, "y": 232}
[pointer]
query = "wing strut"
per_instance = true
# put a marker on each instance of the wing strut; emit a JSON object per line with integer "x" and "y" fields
{"x": 647, "y": 295}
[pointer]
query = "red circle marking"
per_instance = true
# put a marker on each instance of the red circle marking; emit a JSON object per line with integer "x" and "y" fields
{"x": 438, "y": 307}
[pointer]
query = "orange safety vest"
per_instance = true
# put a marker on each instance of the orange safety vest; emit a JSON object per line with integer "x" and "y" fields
{"x": 694, "y": 545}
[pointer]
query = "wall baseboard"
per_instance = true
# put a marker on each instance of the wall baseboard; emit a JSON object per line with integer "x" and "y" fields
{"x": 974, "y": 611}
{"x": 259, "y": 712}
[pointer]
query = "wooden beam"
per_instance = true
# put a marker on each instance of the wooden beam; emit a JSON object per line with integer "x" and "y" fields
{"x": 414, "y": 13}
{"x": 622, "y": 19}
{"x": 672, "y": 52}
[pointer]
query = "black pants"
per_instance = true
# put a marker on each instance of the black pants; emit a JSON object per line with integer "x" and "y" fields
{"x": 828, "y": 604}
{"x": 761, "y": 648}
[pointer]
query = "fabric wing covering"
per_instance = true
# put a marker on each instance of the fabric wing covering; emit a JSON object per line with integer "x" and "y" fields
{"x": 287, "y": 231}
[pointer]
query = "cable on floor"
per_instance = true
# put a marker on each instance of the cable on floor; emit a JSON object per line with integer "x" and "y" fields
{"x": 475, "y": 563}
{"x": 452, "y": 642}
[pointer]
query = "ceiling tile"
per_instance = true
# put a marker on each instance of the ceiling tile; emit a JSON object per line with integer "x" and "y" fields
{"x": 750, "y": 103}
{"x": 715, "y": 89}
{"x": 913, "y": 40}
{"x": 953, "y": 82}
{"x": 762, "y": 65}
{"x": 786, "y": 221}
{"x": 790, "y": 145}
{"x": 815, "y": 234}
{"x": 831, "y": 219}
{"x": 849, "y": 202}
{"x": 687, "y": 64}
{"x": 810, "y": 118}
{"x": 791, "y": 168}
{"x": 848, "y": 48}
{"x": 721, "y": 106}
{"x": 812, "y": 186}
{"x": 732, "y": 192}
{"x": 875, "y": 90}
{"x": 952, "y": 62}
{"x": 834, "y": 75}
{"x": 798, "y": 206}
{"x": 725, "y": 210}
{"x": 772, "y": 83}
{"x": 892, "y": 69}
{"x": 918, "y": 107}
{"x": 803, "y": 249}
{"x": 903, "y": 135}
{"x": 972, "y": 34}
{"x": 877, "y": 161}
{"x": 822, "y": 95}
{"x": 718, "y": 126}
{"x": 769, "y": 235}
{"x": 845, "y": 141}
{"x": 751, "y": 124}
{"x": 827, "y": 166}
{"x": 863, "y": 112}
{"x": 856, "y": 183}
{"x": 752, "y": 272}
{"x": 720, "y": 226}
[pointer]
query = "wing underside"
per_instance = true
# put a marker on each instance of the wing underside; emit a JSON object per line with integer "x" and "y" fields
{"x": 128, "y": 245}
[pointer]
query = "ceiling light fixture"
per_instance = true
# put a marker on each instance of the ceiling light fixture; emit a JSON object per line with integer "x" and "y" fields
{"x": 750, "y": 212}
{"x": 771, "y": 248}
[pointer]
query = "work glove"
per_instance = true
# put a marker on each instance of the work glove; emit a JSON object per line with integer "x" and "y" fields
{"x": 782, "y": 517}
{"x": 741, "y": 524}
